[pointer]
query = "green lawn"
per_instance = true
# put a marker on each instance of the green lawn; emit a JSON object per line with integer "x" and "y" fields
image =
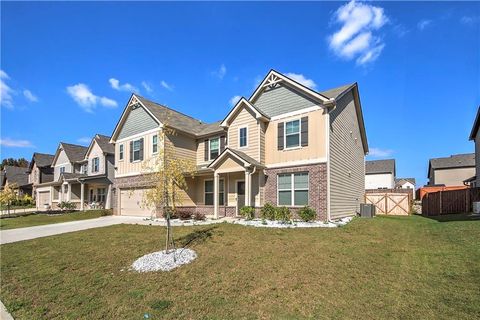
{"x": 383, "y": 268}
{"x": 43, "y": 218}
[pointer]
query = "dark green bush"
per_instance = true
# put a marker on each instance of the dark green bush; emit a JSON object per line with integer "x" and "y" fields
{"x": 247, "y": 212}
{"x": 198, "y": 216}
{"x": 283, "y": 214}
{"x": 307, "y": 214}
{"x": 67, "y": 206}
{"x": 106, "y": 212}
{"x": 268, "y": 212}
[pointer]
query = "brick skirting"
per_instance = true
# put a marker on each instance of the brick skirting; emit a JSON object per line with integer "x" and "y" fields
{"x": 317, "y": 193}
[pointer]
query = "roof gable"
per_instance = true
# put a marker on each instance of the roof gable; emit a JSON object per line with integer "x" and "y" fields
{"x": 476, "y": 124}
{"x": 41, "y": 160}
{"x": 380, "y": 166}
{"x": 243, "y": 103}
{"x": 73, "y": 152}
{"x": 454, "y": 161}
{"x": 103, "y": 143}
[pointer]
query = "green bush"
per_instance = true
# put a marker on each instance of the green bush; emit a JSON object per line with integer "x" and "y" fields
{"x": 67, "y": 206}
{"x": 198, "y": 216}
{"x": 283, "y": 214}
{"x": 247, "y": 212}
{"x": 268, "y": 212}
{"x": 106, "y": 212}
{"x": 307, "y": 214}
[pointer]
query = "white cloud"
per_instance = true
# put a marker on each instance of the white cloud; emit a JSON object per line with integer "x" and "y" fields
{"x": 469, "y": 20}
{"x": 221, "y": 72}
{"x": 85, "y": 98}
{"x": 4, "y": 75}
{"x": 6, "y": 93}
{"x": 29, "y": 96}
{"x": 380, "y": 153}
{"x": 356, "y": 38}
{"x": 166, "y": 85}
{"x": 422, "y": 24}
{"x": 122, "y": 87}
{"x": 84, "y": 140}
{"x": 301, "y": 79}
{"x": 7, "y": 142}
{"x": 147, "y": 87}
{"x": 233, "y": 100}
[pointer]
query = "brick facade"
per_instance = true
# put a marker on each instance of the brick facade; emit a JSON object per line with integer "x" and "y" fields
{"x": 317, "y": 193}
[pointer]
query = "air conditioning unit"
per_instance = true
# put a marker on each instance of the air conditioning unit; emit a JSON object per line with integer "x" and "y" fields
{"x": 476, "y": 206}
{"x": 367, "y": 210}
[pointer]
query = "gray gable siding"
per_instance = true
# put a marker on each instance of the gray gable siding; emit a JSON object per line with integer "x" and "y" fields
{"x": 347, "y": 160}
{"x": 138, "y": 121}
{"x": 282, "y": 99}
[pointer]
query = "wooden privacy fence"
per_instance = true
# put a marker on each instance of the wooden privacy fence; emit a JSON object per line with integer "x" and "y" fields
{"x": 446, "y": 202}
{"x": 390, "y": 201}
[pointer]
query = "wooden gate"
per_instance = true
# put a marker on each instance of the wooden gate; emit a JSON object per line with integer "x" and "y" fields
{"x": 392, "y": 203}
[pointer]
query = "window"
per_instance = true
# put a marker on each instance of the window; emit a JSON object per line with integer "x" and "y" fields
{"x": 84, "y": 168}
{"x": 242, "y": 137}
{"x": 293, "y": 189}
{"x": 101, "y": 195}
{"x": 92, "y": 197}
{"x": 95, "y": 164}
{"x": 209, "y": 192}
{"x": 155, "y": 144}
{"x": 62, "y": 169}
{"x": 120, "y": 152}
{"x": 214, "y": 148}
{"x": 292, "y": 134}
{"x": 136, "y": 150}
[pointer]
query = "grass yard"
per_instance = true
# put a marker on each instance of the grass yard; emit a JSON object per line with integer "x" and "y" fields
{"x": 43, "y": 218}
{"x": 387, "y": 267}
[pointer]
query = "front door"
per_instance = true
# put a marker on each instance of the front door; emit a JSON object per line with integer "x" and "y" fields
{"x": 240, "y": 195}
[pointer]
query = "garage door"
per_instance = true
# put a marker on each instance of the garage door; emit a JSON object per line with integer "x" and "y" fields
{"x": 43, "y": 198}
{"x": 131, "y": 203}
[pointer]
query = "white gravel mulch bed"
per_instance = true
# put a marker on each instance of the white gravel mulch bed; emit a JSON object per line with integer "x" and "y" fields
{"x": 292, "y": 224}
{"x": 161, "y": 261}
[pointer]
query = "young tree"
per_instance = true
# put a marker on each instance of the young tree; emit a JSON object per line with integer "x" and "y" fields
{"x": 7, "y": 195}
{"x": 168, "y": 174}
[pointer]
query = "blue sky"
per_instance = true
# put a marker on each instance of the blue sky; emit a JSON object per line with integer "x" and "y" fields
{"x": 68, "y": 68}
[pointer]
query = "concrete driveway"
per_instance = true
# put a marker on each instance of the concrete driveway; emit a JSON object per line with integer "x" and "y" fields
{"x": 20, "y": 234}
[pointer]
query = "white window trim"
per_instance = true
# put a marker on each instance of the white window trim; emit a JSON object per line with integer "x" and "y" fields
{"x": 239, "y": 139}
{"x": 155, "y": 135}
{"x": 292, "y": 190}
{"x": 299, "y": 134}
{"x": 93, "y": 165}
{"x": 213, "y": 192}
{"x": 133, "y": 151}
{"x": 122, "y": 152}
{"x": 210, "y": 148}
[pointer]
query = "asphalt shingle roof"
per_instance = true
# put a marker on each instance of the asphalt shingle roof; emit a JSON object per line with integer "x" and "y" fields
{"x": 380, "y": 166}
{"x": 454, "y": 161}
{"x": 43, "y": 159}
{"x": 104, "y": 144}
{"x": 75, "y": 153}
{"x": 335, "y": 92}
{"x": 399, "y": 180}
{"x": 246, "y": 157}
{"x": 16, "y": 175}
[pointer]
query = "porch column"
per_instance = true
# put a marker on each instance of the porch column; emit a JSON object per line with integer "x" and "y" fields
{"x": 82, "y": 195}
{"x": 216, "y": 181}
{"x": 247, "y": 187}
{"x": 108, "y": 200}
{"x": 69, "y": 192}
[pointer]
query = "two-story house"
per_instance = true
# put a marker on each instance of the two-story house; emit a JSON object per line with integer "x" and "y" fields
{"x": 380, "y": 174}
{"x": 81, "y": 175}
{"x": 451, "y": 171}
{"x": 17, "y": 179}
{"x": 287, "y": 145}
{"x": 40, "y": 170}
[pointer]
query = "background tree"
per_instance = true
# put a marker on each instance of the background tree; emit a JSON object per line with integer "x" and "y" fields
{"x": 168, "y": 174}
{"x": 20, "y": 162}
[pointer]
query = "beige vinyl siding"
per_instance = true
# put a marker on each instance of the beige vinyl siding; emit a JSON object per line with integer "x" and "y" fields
{"x": 184, "y": 147}
{"x": 137, "y": 121}
{"x": 201, "y": 149}
{"x": 316, "y": 148}
{"x": 454, "y": 176}
{"x": 94, "y": 153}
{"x": 125, "y": 167}
{"x": 229, "y": 164}
{"x": 245, "y": 118}
{"x": 347, "y": 159}
{"x": 261, "y": 137}
{"x": 62, "y": 161}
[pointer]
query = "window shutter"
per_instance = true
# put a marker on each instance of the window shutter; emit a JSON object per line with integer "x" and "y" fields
{"x": 304, "y": 126}
{"x": 141, "y": 149}
{"x": 206, "y": 150}
{"x": 131, "y": 151}
{"x": 222, "y": 143}
{"x": 280, "y": 135}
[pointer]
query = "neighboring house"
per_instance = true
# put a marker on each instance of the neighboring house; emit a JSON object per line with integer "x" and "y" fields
{"x": 82, "y": 175}
{"x": 406, "y": 183}
{"x": 40, "y": 170}
{"x": 287, "y": 145}
{"x": 474, "y": 180}
{"x": 380, "y": 174}
{"x": 451, "y": 171}
{"x": 17, "y": 179}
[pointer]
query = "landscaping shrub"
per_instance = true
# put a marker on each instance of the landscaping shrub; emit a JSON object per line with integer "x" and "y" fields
{"x": 247, "y": 212}
{"x": 184, "y": 215}
{"x": 198, "y": 216}
{"x": 106, "y": 212}
{"x": 307, "y": 214}
{"x": 283, "y": 214}
{"x": 268, "y": 212}
{"x": 67, "y": 206}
